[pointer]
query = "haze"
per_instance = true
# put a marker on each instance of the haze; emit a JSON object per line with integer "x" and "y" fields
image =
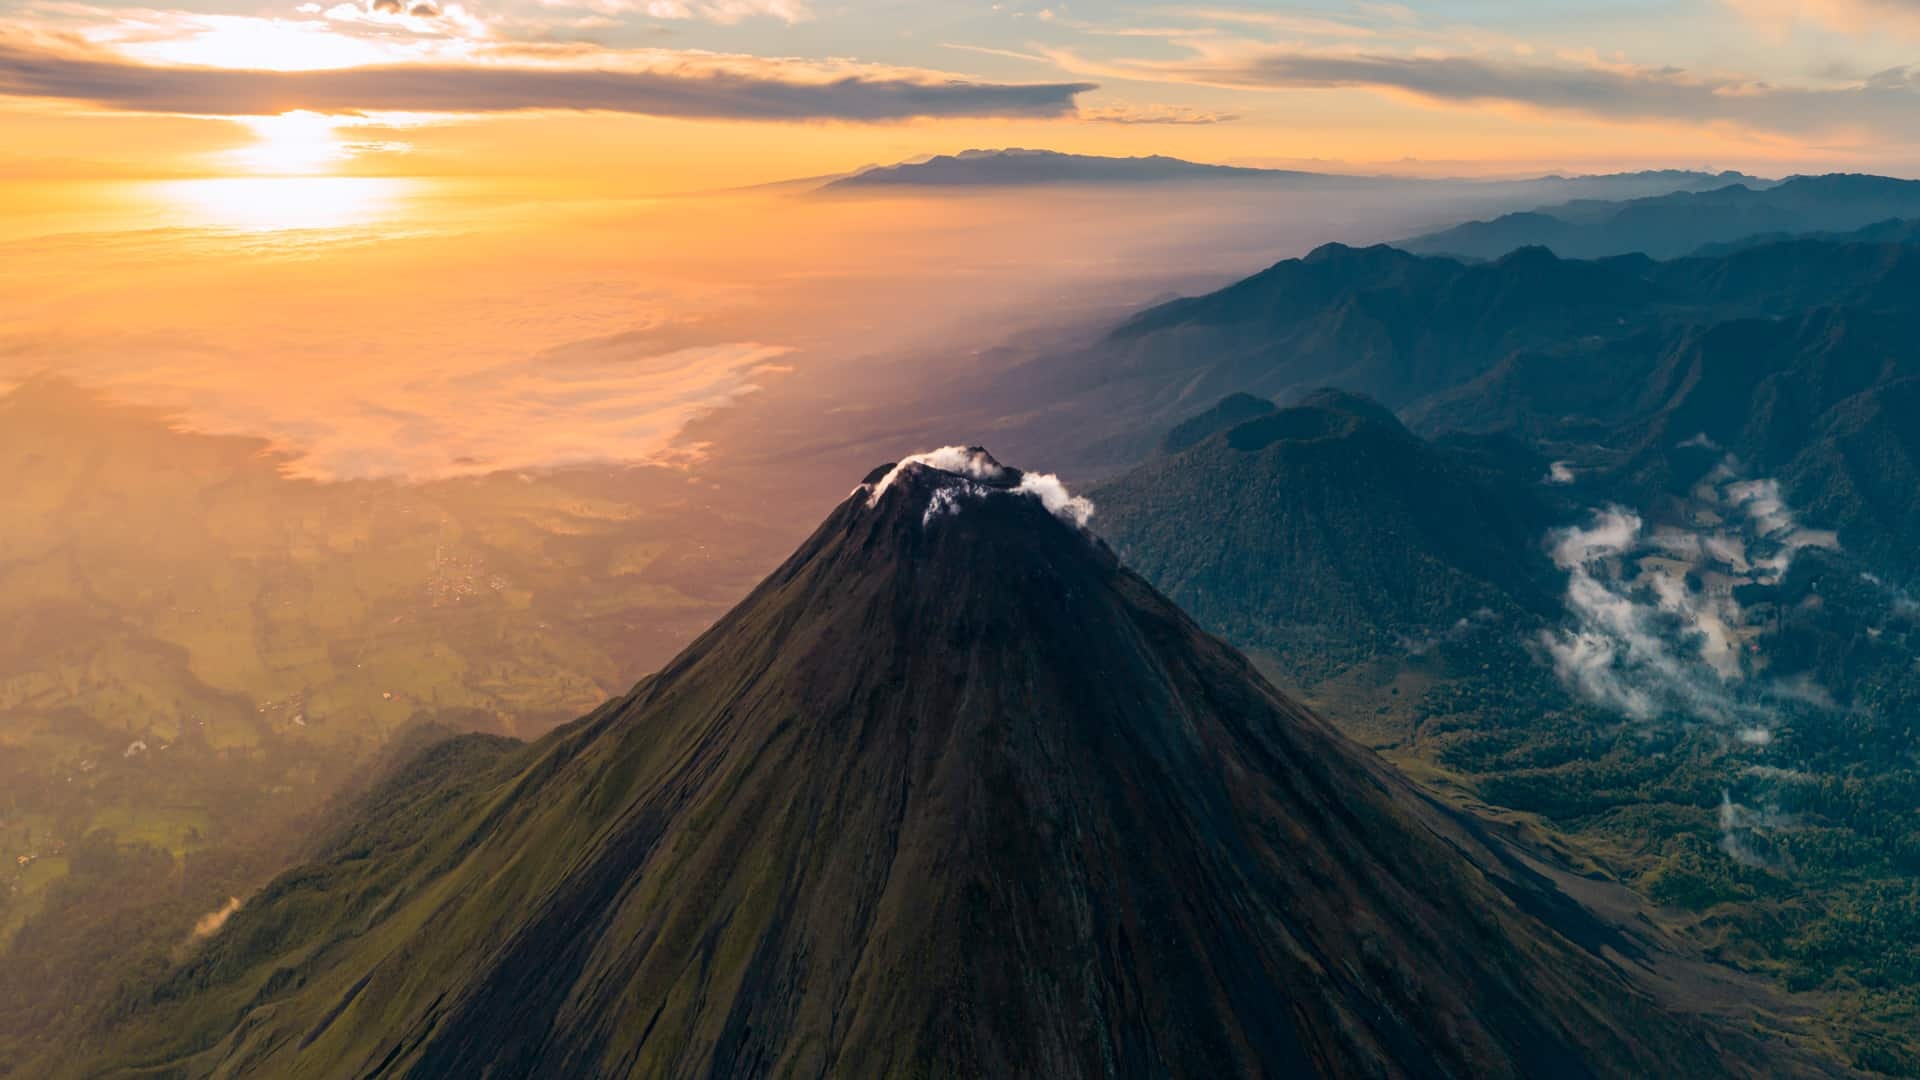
{"x": 1507, "y": 407}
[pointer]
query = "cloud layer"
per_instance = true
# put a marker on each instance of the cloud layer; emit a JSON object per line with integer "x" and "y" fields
{"x": 1887, "y": 99}
{"x": 682, "y": 89}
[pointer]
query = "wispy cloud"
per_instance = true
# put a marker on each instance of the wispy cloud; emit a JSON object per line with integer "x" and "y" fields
{"x": 675, "y": 85}
{"x": 1154, "y": 114}
{"x": 1282, "y": 22}
{"x": 1858, "y": 17}
{"x": 985, "y": 50}
{"x": 725, "y": 12}
{"x": 1887, "y": 102}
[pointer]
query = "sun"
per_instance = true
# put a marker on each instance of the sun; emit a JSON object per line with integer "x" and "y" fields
{"x": 269, "y": 204}
{"x": 291, "y": 144}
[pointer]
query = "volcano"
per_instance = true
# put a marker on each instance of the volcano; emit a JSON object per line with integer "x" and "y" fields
{"x": 951, "y": 793}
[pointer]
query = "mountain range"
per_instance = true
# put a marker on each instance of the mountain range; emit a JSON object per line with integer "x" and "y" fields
{"x": 1683, "y": 222}
{"x": 952, "y": 791}
{"x": 1016, "y": 167}
{"x": 1404, "y": 328}
{"x": 1647, "y": 577}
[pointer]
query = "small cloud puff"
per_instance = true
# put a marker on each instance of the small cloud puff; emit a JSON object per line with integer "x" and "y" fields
{"x": 1076, "y": 510}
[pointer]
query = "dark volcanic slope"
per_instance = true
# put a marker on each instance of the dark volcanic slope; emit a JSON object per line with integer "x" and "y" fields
{"x": 1327, "y": 531}
{"x": 951, "y": 793}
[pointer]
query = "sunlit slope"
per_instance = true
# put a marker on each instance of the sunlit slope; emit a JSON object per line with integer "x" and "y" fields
{"x": 202, "y": 591}
{"x": 196, "y": 649}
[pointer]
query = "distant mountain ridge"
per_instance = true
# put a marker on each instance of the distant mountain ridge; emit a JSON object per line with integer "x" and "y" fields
{"x": 1891, "y": 231}
{"x": 1403, "y": 328}
{"x": 1015, "y": 167}
{"x": 1683, "y": 222}
{"x": 1018, "y": 167}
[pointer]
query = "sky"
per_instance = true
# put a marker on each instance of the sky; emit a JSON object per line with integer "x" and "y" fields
{"x": 422, "y": 237}
{"x": 659, "y": 96}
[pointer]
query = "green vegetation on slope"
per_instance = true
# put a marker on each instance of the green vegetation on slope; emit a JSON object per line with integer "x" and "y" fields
{"x": 196, "y": 650}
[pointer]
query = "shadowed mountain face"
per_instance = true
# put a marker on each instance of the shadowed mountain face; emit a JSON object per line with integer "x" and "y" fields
{"x": 1404, "y": 329}
{"x": 1371, "y": 320}
{"x": 1233, "y": 410}
{"x": 1891, "y": 231}
{"x": 1671, "y": 225}
{"x": 1327, "y": 531}
{"x": 951, "y": 792}
{"x": 1819, "y": 400}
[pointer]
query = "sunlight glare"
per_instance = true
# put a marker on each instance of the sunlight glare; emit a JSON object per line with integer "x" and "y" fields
{"x": 291, "y": 144}
{"x": 254, "y": 43}
{"x": 279, "y": 203}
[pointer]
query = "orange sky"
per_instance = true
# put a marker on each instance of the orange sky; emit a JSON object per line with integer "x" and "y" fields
{"x": 674, "y": 95}
{"x": 368, "y": 229}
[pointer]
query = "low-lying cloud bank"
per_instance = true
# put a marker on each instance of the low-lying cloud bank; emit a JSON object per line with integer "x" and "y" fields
{"x": 1658, "y": 626}
{"x": 681, "y": 88}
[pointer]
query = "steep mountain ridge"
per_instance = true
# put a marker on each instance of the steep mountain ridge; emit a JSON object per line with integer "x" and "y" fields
{"x": 1327, "y": 531}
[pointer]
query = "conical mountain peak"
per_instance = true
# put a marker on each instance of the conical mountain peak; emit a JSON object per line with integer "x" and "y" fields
{"x": 950, "y": 793}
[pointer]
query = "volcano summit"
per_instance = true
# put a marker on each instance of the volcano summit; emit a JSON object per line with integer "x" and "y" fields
{"x": 951, "y": 793}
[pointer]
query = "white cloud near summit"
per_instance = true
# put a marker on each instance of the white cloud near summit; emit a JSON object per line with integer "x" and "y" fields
{"x": 972, "y": 466}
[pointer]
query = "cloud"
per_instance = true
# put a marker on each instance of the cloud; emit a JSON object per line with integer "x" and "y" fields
{"x": 976, "y": 472}
{"x": 724, "y": 12}
{"x": 1274, "y": 21}
{"x": 1744, "y": 833}
{"x": 971, "y": 462}
{"x": 1622, "y": 653}
{"x": 1903, "y": 601}
{"x": 210, "y": 923}
{"x": 1887, "y": 101}
{"x": 1154, "y": 114}
{"x": 1657, "y": 628}
{"x": 682, "y": 87}
{"x": 1859, "y": 17}
{"x": 1077, "y": 510}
